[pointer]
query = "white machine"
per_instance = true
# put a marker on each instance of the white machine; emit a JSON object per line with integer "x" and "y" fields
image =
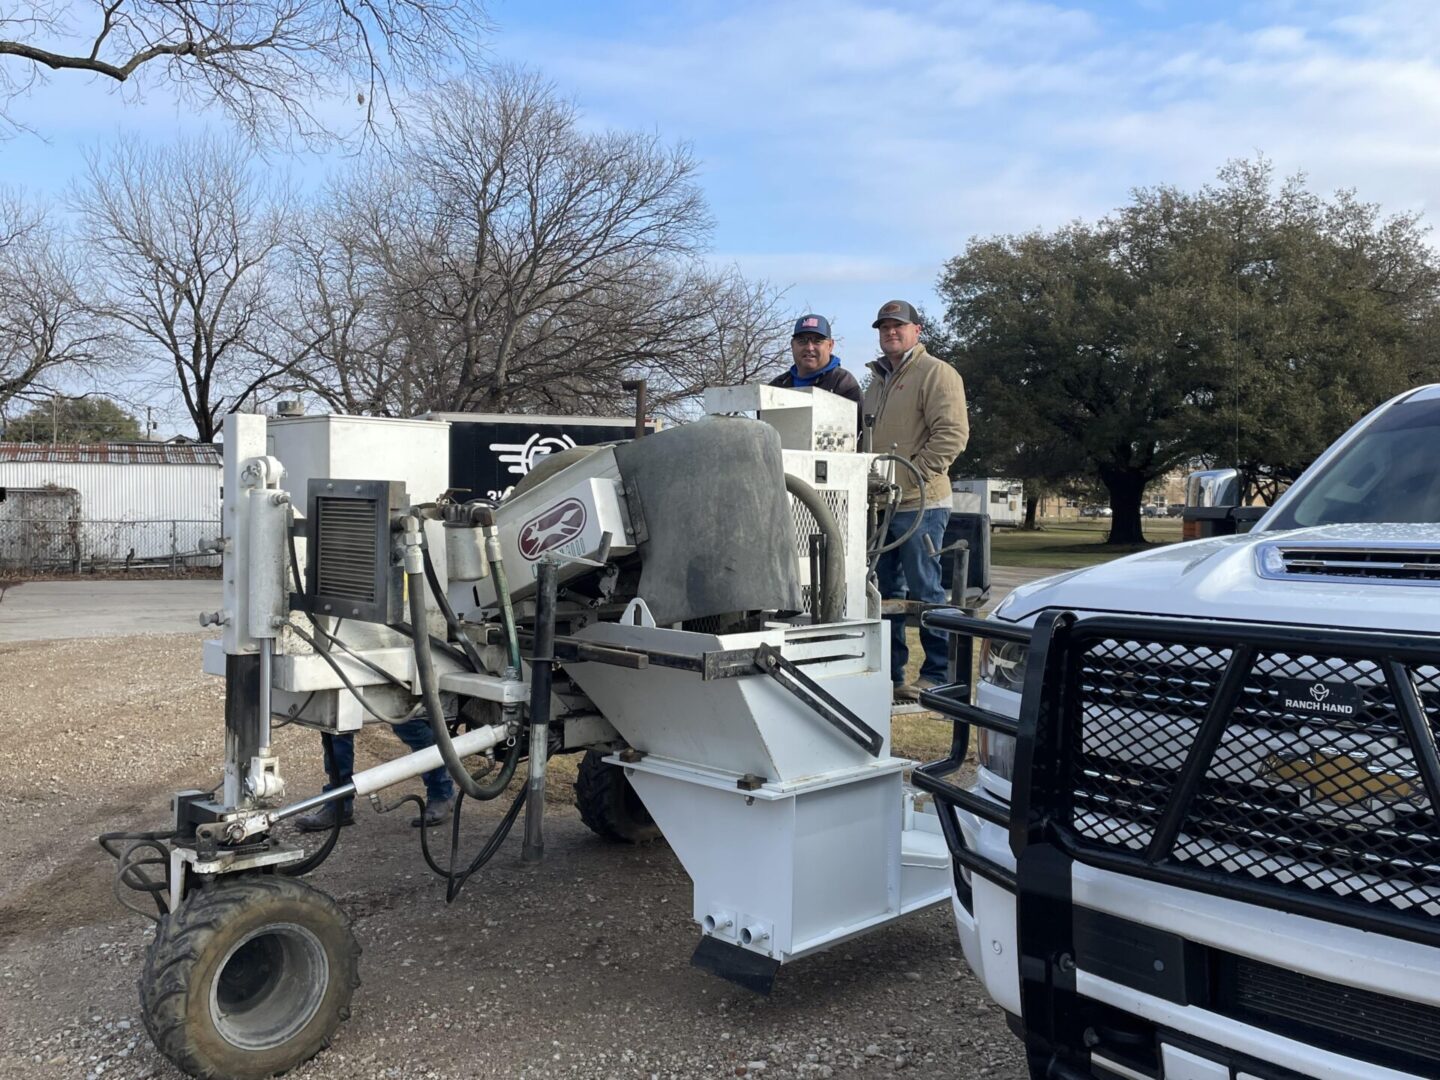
{"x": 711, "y": 647}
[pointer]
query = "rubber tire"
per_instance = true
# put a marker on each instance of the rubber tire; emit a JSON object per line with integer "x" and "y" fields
{"x": 609, "y": 805}
{"x": 189, "y": 945}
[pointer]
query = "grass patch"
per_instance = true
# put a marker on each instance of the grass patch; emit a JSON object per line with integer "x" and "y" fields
{"x": 1069, "y": 545}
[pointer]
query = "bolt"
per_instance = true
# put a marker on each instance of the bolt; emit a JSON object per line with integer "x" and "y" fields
{"x": 996, "y": 947}
{"x": 277, "y": 621}
{"x": 1066, "y": 963}
{"x": 279, "y": 498}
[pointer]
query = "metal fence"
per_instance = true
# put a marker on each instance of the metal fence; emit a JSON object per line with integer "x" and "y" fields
{"x": 61, "y": 545}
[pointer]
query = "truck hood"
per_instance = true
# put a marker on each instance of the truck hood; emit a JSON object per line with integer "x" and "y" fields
{"x": 1221, "y": 578}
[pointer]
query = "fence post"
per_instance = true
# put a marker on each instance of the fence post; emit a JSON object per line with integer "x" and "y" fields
{"x": 174, "y": 551}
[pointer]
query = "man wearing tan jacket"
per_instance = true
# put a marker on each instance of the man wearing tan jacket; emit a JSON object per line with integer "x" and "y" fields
{"x": 915, "y": 404}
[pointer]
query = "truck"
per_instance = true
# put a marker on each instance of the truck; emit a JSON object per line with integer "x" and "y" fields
{"x": 1201, "y": 840}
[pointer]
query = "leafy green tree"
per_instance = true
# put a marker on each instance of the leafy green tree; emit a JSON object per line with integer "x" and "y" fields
{"x": 1247, "y": 324}
{"x": 75, "y": 420}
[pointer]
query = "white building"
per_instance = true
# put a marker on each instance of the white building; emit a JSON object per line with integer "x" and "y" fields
{"x": 107, "y": 502}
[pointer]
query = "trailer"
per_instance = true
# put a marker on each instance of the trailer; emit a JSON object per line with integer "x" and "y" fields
{"x": 1002, "y": 500}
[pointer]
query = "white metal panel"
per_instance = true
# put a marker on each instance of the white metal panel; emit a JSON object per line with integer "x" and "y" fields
{"x": 748, "y": 724}
{"x": 126, "y": 492}
{"x": 1182, "y": 1065}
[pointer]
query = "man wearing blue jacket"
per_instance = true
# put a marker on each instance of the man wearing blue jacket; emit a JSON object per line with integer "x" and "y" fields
{"x": 811, "y": 347}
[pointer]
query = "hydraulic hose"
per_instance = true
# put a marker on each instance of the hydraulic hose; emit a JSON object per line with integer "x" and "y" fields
{"x": 430, "y": 693}
{"x": 876, "y": 552}
{"x": 443, "y": 602}
{"x": 430, "y": 682}
{"x": 832, "y": 602}
{"x": 542, "y": 669}
{"x": 486, "y": 518}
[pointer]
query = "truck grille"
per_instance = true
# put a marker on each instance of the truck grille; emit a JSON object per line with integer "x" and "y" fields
{"x": 1375, "y": 1027}
{"x": 1399, "y": 565}
{"x": 1313, "y": 786}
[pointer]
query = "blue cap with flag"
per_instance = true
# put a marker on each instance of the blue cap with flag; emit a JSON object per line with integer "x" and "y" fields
{"x": 812, "y": 324}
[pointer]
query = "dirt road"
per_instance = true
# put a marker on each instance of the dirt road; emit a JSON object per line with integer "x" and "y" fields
{"x": 576, "y": 968}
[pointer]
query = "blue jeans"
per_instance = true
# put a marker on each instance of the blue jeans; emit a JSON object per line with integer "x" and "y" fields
{"x": 911, "y": 572}
{"x": 416, "y": 734}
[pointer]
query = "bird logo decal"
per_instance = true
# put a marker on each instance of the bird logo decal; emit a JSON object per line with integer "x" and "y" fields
{"x": 551, "y": 528}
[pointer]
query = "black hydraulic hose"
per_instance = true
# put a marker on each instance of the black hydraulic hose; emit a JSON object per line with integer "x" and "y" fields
{"x": 430, "y": 695}
{"x": 443, "y": 602}
{"x": 354, "y": 690}
{"x": 485, "y": 517}
{"x": 542, "y": 670}
{"x": 320, "y": 854}
{"x": 130, "y": 870}
{"x": 454, "y": 882}
{"x": 875, "y": 552}
{"x": 832, "y": 603}
{"x": 435, "y": 643}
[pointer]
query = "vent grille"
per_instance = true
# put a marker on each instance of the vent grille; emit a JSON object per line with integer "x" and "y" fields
{"x": 1402, "y": 565}
{"x": 348, "y": 552}
{"x": 1341, "y": 1018}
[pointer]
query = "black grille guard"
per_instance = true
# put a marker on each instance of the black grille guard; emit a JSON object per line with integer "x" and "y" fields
{"x": 1097, "y": 673}
{"x": 1049, "y": 791}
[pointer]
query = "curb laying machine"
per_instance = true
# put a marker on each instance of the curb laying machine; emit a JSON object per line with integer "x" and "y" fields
{"x": 689, "y": 610}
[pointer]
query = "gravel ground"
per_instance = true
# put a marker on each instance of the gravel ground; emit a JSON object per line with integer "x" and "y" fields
{"x": 578, "y": 967}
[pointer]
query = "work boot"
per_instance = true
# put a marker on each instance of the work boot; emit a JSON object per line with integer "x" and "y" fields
{"x": 323, "y": 819}
{"x": 436, "y": 812}
{"x": 905, "y": 693}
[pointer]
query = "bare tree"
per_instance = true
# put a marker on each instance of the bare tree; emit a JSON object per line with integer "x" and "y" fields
{"x": 187, "y": 238}
{"x": 514, "y": 261}
{"x": 47, "y": 327}
{"x": 277, "y": 67}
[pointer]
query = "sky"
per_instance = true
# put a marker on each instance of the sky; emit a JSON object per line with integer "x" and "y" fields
{"x": 848, "y": 148}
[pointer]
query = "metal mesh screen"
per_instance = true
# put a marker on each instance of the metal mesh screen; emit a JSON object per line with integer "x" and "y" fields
{"x": 1313, "y": 784}
{"x": 837, "y": 501}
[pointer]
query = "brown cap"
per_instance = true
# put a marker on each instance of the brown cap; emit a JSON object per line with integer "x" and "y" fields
{"x": 899, "y": 310}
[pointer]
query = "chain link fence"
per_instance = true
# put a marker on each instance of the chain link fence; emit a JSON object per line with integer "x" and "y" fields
{"x": 72, "y": 545}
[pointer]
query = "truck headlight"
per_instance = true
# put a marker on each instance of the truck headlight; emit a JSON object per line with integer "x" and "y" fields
{"x": 1002, "y": 663}
{"x": 995, "y": 752}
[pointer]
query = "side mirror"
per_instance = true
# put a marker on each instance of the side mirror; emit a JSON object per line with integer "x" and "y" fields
{"x": 1213, "y": 487}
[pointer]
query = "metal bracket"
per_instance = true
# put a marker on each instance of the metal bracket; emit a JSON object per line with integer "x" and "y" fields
{"x": 637, "y": 613}
{"x": 830, "y": 708}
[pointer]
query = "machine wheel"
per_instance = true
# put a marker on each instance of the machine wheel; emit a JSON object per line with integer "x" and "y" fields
{"x": 249, "y": 978}
{"x": 609, "y": 805}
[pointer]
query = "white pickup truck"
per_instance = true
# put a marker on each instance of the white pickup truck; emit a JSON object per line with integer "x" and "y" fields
{"x": 1203, "y": 843}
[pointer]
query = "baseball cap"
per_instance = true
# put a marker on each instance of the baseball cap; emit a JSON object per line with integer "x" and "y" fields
{"x": 812, "y": 324}
{"x": 899, "y": 310}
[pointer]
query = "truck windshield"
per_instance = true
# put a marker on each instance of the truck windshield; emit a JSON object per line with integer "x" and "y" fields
{"x": 1390, "y": 473}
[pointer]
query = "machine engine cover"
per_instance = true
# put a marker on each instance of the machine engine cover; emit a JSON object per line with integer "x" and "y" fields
{"x": 712, "y": 518}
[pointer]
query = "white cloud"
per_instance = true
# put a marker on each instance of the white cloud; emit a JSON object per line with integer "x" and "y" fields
{"x": 851, "y": 146}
